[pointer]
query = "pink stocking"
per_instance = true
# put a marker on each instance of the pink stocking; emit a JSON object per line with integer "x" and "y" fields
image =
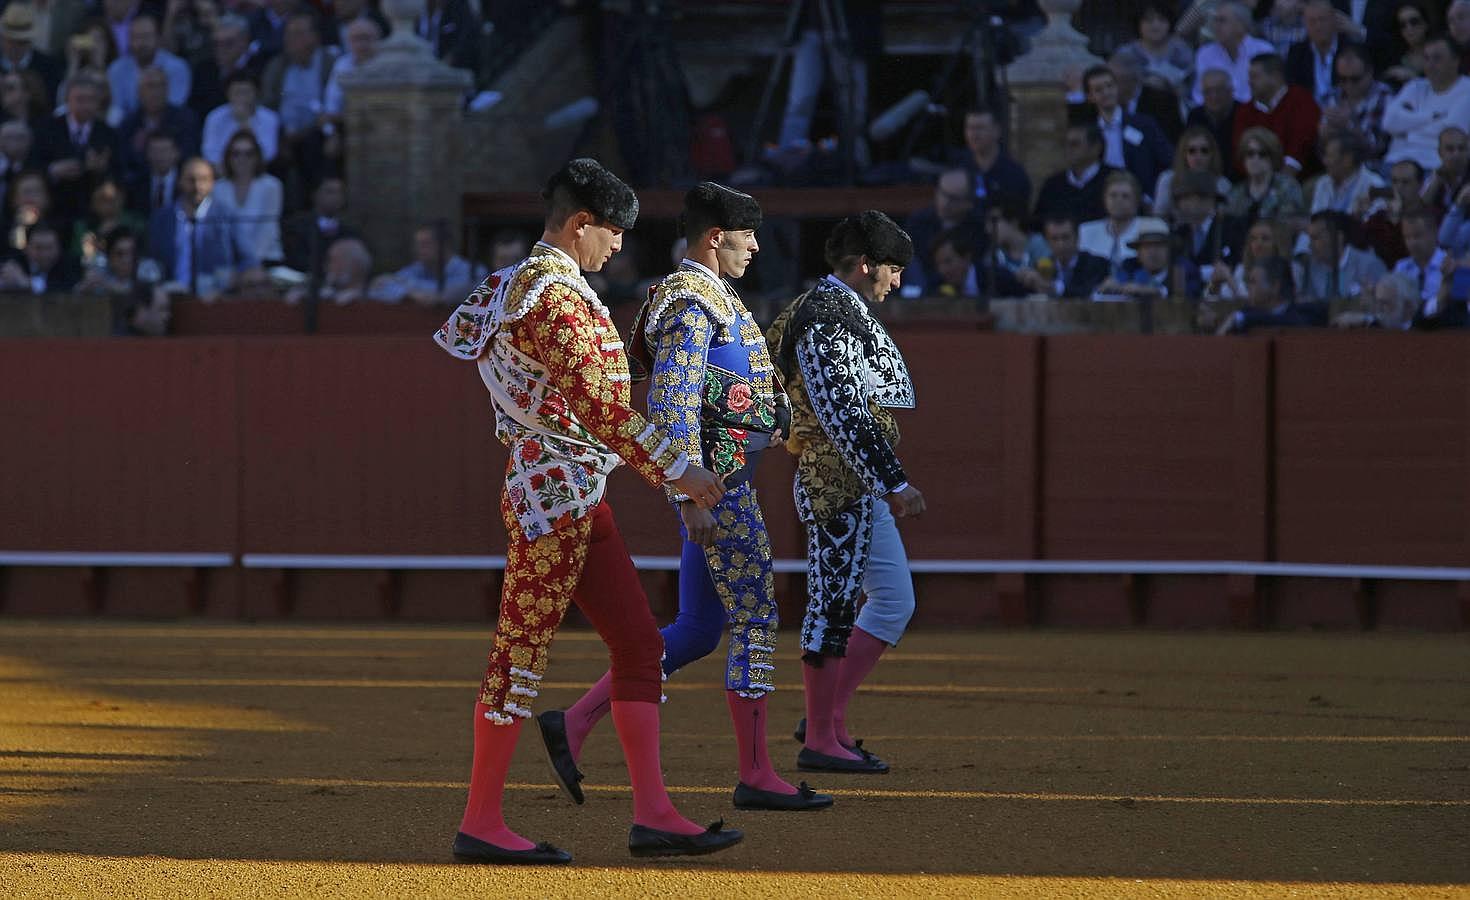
{"x": 483, "y": 819}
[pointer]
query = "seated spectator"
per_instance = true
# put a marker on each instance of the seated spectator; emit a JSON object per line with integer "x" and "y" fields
{"x": 255, "y": 196}
{"x": 954, "y": 264}
{"x": 1209, "y": 238}
{"x": 17, "y": 153}
{"x": 1358, "y": 101}
{"x": 1263, "y": 240}
{"x": 144, "y": 53}
{"x": 136, "y": 308}
{"x": 1448, "y": 308}
{"x": 1130, "y": 141}
{"x": 188, "y": 30}
{"x": 362, "y": 37}
{"x": 1232, "y": 50}
{"x": 1266, "y": 192}
{"x": 1283, "y": 26}
{"x": 1147, "y": 273}
{"x": 1196, "y": 152}
{"x": 23, "y": 99}
{"x": 1309, "y": 62}
{"x": 78, "y": 149}
{"x": 1457, "y": 20}
{"x": 1065, "y": 272}
{"x": 509, "y": 247}
{"x": 1346, "y": 179}
{"x": 1076, "y": 192}
{"x": 195, "y": 242}
{"x": 436, "y": 277}
{"x": 1335, "y": 268}
{"x": 983, "y": 155}
{"x": 1454, "y": 231}
{"x": 155, "y": 114}
{"x": 307, "y": 234}
{"x": 1412, "y": 23}
{"x": 1140, "y": 96}
{"x": 1157, "y": 53}
{"x": 42, "y": 268}
{"x": 1395, "y": 301}
{"x": 452, "y": 29}
{"x": 1426, "y": 260}
{"x": 1110, "y": 238}
{"x": 18, "y": 51}
{"x": 1011, "y": 248}
{"x": 1426, "y": 106}
{"x": 1453, "y": 173}
{"x": 28, "y": 203}
{"x": 1270, "y": 301}
{"x": 954, "y": 205}
{"x": 91, "y": 50}
{"x": 155, "y": 189}
{"x": 1287, "y": 111}
{"x": 232, "y": 56}
{"x": 268, "y": 26}
{"x": 1381, "y": 216}
{"x": 295, "y": 86}
{"x": 243, "y": 112}
{"x": 106, "y": 213}
{"x": 345, "y": 276}
{"x": 1217, "y": 114}
{"x": 344, "y": 13}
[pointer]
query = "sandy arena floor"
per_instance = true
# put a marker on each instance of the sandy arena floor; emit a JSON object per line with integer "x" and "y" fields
{"x": 161, "y": 760}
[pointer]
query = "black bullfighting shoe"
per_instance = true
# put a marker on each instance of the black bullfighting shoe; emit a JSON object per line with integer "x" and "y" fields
{"x": 469, "y": 849}
{"x": 645, "y": 841}
{"x": 747, "y": 797}
{"x": 809, "y": 760}
{"x": 553, "y": 725}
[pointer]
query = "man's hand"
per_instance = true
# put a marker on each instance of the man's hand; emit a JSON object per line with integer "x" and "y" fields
{"x": 905, "y": 504}
{"x": 1462, "y": 199}
{"x": 699, "y": 523}
{"x": 701, "y": 486}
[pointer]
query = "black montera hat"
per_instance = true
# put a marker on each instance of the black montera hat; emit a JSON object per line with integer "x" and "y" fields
{"x": 720, "y": 206}
{"x": 601, "y": 192}
{"x": 872, "y": 234}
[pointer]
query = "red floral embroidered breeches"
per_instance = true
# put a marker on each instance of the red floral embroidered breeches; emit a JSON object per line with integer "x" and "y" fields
{"x": 585, "y": 561}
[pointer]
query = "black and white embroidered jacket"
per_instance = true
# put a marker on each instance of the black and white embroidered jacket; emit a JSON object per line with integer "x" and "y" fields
{"x": 842, "y": 372}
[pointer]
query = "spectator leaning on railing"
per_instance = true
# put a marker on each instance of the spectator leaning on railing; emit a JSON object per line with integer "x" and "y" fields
{"x": 436, "y": 276}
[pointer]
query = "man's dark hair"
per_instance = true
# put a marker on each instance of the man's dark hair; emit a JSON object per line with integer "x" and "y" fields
{"x": 982, "y": 111}
{"x": 241, "y": 77}
{"x": 960, "y": 239}
{"x": 43, "y": 227}
{"x": 1278, "y": 273}
{"x": 1418, "y": 169}
{"x": 1348, "y": 142}
{"x": 1442, "y": 38}
{"x": 144, "y": 15}
{"x": 1351, "y": 51}
{"x": 1270, "y": 63}
{"x": 1335, "y": 221}
{"x": 158, "y": 134}
{"x": 1090, "y": 132}
{"x": 1059, "y": 218}
{"x": 115, "y": 235}
{"x": 1010, "y": 207}
{"x": 1424, "y": 216}
{"x": 1093, "y": 72}
{"x": 1159, "y": 9}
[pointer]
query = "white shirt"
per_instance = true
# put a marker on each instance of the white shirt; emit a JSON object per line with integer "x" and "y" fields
{"x": 1417, "y": 114}
{"x": 258, "y": 222}
{"x": 220, "y": 126}
{"x": 1213, "y": 56}
{"x": 1322, "y": 71}
{"x": 1428, "y": 278}
{"x": 1097, "y": 238}
{"x": 1087, "y": 175}
{"x": 1112, "y": 132}
{"x": 1342, "y": 198}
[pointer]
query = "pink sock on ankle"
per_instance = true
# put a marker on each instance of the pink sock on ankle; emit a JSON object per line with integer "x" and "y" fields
{"x": 483, "y": 817}
{"x": 863, "y": 651}
{"x": 584, "y": 715}
{"x": 749, "y": 717}
{"x": 637, "y": 724}
{"x": 821, "y": 690}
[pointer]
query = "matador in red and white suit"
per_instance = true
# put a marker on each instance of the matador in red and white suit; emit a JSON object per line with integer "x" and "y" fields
{"x": 552, "y": 361}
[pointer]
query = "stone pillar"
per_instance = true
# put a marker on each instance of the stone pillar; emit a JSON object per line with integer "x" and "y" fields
{"x": 403, "y": 119}
{"x": 1038, "y": 96}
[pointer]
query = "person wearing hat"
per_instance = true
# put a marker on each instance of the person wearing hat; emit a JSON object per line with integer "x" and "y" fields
{"x": 714, "y": 390}
{"x": 1147, "y": 273}
{"x": 550, "y": 356}
{"x": 18, "y": 51}
{"x": 1208, "y": 236}
{"x": 843, "y": 373}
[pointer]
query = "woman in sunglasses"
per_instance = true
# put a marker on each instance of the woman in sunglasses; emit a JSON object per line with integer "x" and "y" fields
{"x": 1411, "y": 26}
{"x": 1196, "y": 151}
{"x": 1266, "y": 192}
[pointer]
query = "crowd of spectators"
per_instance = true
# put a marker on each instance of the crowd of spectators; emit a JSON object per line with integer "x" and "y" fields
{"x": 1284, "y": 156}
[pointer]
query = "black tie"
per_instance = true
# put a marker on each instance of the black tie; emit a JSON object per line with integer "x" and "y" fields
{"x": 158, "y": 193}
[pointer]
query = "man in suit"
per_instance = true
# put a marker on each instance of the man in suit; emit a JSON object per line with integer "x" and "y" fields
{"x": 194, "y": 241}
{"x": 954, "y": 205}
{"x": 1207, "y": 237}
{"x": 295, "y": 86}
{"x": 268, "y": 26}
{"x": 42, "y": 268}
{"x": 1067, "y": 272}
{"x": 155, "y": 115}
{"x": 1139, "y": 97}
{"x": 18, "y": 52}
{"x": 1217, "y": 114}
{"x": 78, "y": 149}
{"x": 1271, "y": 303}
{"x": 1076, "y": 192}
{"x": 1335, "y": 268}
{"x": 157, "y": 185}
{"x": 1131, "y": 141}
{"x": 1309, "y": 62}
{"x": 307, "y": 234}
{"x": 453, "y": 31}
{"x": 232, "y": 55}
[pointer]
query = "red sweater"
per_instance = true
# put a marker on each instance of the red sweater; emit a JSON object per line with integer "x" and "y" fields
{"x": 1294, "y": 121}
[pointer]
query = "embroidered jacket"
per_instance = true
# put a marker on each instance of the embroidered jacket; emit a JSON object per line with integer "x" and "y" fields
{"x": 714, "y": 387}
{"x": 558, "y": 380}
{"x": 842, "y": 371}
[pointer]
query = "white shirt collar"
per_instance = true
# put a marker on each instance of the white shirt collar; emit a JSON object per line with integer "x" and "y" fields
{"x": 850, "y": 292}
{"x": 1275, "y": 101}
{"x": 1115, "y": 119}
{"x": 1087, "y": 175}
